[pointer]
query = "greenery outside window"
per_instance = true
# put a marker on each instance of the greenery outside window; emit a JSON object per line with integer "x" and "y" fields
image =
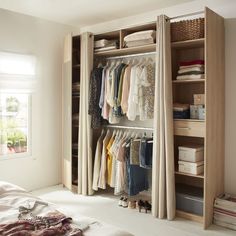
{"x": 14, "y": 125}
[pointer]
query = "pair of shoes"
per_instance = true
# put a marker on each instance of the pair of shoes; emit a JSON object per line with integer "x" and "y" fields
{"x": 123, "y": 202}
{"x": 132, "y": 205}
{"x": 144, "y": 205}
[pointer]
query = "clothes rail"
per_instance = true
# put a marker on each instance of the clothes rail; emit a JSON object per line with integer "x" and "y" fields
{"x": 131, "y": 55}
{"x": 150, "y": 22}
{"x": 186, "y": 15}
{"x": 128, "y": 127}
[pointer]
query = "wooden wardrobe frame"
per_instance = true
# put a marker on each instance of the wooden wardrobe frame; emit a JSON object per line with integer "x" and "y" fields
{"x": 211, "y": 132}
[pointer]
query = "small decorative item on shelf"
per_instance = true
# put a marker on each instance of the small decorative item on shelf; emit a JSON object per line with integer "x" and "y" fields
{"x": 197, "y": 112}
{"x": 191, "y": 70}
{"x": 181, "y": 111}
{"x": 199, "y": 99}
{"x": 187, "y": 30}
{"x": 140, "y": 38}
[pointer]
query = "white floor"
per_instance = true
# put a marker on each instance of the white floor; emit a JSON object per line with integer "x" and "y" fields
{"x": 104, "y": 208}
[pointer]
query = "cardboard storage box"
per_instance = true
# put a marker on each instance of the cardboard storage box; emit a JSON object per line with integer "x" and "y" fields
{"x": 194, "y": 168}
{"x": 191, "y": 153}
{"x": 199, "y": 99}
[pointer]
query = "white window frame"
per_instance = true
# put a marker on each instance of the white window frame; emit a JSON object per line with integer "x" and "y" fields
{"x": 27, "y": 154}
{"x": 18, "y": 76}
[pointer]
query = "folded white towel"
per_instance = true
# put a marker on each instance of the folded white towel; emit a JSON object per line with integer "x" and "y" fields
{"x": 185, "y": 67}
{"x": 190, "y": 69}
{"x": 146, "y": 34}
{"x": 190, "y": 77}
{"x": 139, "y": 42}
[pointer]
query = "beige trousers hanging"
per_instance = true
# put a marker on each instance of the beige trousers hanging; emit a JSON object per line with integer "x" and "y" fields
{"x": 163, "y": 187}
{"x": 85, "y": 132}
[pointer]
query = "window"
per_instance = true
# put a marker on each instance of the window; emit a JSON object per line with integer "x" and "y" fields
{"x": 17, "y": 80}
{"x": 14, "y": 124}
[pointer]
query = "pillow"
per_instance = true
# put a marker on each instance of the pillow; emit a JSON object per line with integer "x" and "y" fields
{"x": 6, "y": 187}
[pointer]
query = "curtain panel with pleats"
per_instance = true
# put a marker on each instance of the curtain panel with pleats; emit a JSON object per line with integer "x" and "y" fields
{"x": 85, "y": 165}
{"x": 163, "y": 178}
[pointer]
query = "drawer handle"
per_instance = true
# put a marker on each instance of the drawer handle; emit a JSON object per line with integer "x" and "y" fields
{"x": 185, "y": 128}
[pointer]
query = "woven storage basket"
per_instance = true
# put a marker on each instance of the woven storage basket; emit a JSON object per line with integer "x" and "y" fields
{"x": 187, "y": 30}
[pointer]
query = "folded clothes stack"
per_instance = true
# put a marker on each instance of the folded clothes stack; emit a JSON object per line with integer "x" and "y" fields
{"x": 181, "y": 111}
{"x": 190, "y": 70}
{"x": 105, "y": 45}
{"x": 140, "y": 38}
{"x": 225, "y": 211}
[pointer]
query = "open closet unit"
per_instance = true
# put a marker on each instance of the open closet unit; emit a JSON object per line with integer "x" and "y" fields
{"x": 71, "y": 103}
{"x": 204, "y": 134}
{"x": 129, "y": 122}
{"x": 207, "y": 133}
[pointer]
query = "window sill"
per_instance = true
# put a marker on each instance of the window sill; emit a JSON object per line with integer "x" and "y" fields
{"x": 15, "y": 156}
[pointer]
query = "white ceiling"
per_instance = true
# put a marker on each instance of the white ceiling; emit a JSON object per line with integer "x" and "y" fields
{"x": 84, "y": 12}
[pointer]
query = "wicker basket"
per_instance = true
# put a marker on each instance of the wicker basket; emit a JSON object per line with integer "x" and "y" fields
{"x": 187, "y": 30}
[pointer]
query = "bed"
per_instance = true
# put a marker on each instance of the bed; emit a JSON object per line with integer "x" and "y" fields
{"x": 12, "y": 197}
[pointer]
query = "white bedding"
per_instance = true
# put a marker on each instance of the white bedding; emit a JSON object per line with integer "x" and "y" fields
{"x": 11, "y": 197}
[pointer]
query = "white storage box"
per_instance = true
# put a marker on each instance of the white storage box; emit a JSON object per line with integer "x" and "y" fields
{"x": 195, "y": 168}
{"x": 197, "y": 112}
{"x": 191, "y": 153}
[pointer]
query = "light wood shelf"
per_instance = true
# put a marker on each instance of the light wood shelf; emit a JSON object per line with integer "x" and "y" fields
{"x": 76, "y": 66}
{"x": 189, "y": 216}
{"x": 190, "y": 120}
{"x": 201, "y": 176}
{"x": 189, "y": 43}
{"x": 127, "y": 51}
{"x": 189, "y": 81}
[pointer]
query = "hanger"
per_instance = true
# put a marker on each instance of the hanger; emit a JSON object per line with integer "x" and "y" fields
{"x": 100, "y": 65}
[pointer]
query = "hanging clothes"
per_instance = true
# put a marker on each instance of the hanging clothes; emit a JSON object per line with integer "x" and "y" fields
{"x": 124, "y": 161}
{"x": 102, "y": 176}
{"x": 148, "y": 93}
{"x": 94, "y": 96}
{"x": 109, "y": 161}
{"x": 97, "y": 161}
{"x": 125, "y": 90}
{"x": 137, "y": 177}
{"x": 145, "y": 153}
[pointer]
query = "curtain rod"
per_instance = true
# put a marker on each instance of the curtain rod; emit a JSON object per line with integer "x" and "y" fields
{"x": 185, "y": 15}
{"x": 131, "y": 55}
{"x": 150, "y": 22}
{"x": 128, "y": 127}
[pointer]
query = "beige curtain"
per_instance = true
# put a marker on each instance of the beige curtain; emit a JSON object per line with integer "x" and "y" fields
{"x": 85, "y": 132}
{"x": 163, "y": 189}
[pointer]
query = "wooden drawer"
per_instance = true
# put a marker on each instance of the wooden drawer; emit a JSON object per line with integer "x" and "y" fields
{"x": 189, "y": 128}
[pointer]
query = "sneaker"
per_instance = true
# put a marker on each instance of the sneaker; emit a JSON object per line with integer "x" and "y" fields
{"x": 125, "y": 202}
{"x": 120, "y": 203}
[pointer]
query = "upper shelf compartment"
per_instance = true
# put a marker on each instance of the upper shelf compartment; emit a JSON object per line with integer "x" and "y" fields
{"x": 123, "y": 47}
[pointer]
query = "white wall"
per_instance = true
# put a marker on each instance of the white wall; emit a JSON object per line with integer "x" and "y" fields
{"x": 226, "y": 8}
{"x": 44, "y": 39}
